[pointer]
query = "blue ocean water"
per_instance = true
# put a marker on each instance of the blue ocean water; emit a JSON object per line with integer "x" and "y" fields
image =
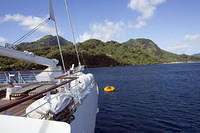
{"x": 149, "y": 99}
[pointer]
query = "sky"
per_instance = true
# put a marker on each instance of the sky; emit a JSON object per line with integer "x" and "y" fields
{"x": 172, "y": 24}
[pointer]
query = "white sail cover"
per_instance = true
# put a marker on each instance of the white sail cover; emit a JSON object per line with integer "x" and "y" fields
{"x": 42, "y": 106}
{"x": 83, "y": 81}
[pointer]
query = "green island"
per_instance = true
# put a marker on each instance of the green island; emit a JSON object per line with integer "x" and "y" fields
{"x": 95, "y": 53}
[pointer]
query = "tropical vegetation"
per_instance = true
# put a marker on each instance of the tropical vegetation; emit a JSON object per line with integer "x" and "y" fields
{"x": 95, "y": 53}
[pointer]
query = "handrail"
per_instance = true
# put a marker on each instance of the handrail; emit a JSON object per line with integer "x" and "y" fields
{"x": 64, "y": 77}
{"x": 39, "y": 71}
{"x": 10, "y": 105}
{"x": 35, "y": 71}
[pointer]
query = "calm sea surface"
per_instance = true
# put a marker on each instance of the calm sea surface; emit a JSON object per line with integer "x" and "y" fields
{"x": 149, "y": 99}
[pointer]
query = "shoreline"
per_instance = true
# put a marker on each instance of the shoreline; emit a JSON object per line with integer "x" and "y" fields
{"x": 35, "y": 69}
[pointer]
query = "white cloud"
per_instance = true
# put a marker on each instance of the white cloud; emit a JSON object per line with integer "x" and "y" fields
{"x": 29, "y": 22}
{"x": 178, "y": 47}
{"x": 105, "y": 32}
{"x": 139, "y": 25}
{"x": 189, "y": 45}
{"x": 2, "y": 39}
{"x": 146, "y": 8}
{"x": 192, "y": 37}
{"x": 85, "y": 36}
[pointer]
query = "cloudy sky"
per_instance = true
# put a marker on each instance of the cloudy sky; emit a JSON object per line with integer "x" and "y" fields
{"x": 172, "y": 24}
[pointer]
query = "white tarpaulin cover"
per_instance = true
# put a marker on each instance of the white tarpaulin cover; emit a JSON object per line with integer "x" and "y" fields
{"x": 44, "y": 105}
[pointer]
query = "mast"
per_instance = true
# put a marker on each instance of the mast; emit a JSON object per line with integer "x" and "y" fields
{"x": 69, "y": 18}
{"x": 52, "y": 17}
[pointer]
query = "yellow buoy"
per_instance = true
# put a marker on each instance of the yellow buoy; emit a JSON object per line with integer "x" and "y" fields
{"x": 109, "y": 88}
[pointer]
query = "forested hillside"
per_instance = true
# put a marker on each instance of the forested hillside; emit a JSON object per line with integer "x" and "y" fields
{"x": 95, "y": 53}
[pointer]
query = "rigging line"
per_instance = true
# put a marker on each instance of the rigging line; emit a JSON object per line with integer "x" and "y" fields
{"x": 69, "y": 18}
{"x": 33, "y": 30}
{"x": 52, "y": 17}
{"x": 61, "y": 55}
{"x": 81, "y": 53}
{"x": 30, "y": 32}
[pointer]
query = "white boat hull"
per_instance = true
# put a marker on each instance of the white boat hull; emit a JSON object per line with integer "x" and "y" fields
{"x": 15, "y": 124}
{"x": 85, "y": 116}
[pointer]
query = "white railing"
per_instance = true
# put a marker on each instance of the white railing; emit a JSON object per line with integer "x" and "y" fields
{"x": 4, "y": 78}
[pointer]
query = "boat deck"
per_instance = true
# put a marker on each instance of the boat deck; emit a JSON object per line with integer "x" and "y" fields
{"x": 18, "y": 110}
{"x": 40, "y": 88}
{"x": 27, "y": 90}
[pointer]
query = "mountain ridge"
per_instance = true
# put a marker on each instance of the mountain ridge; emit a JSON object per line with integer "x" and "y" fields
{"x": 47, "y": 40}
{"x": 197, "y": 54}
{"x": 149, "y": 47}
{"x": 96, "y": 53}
